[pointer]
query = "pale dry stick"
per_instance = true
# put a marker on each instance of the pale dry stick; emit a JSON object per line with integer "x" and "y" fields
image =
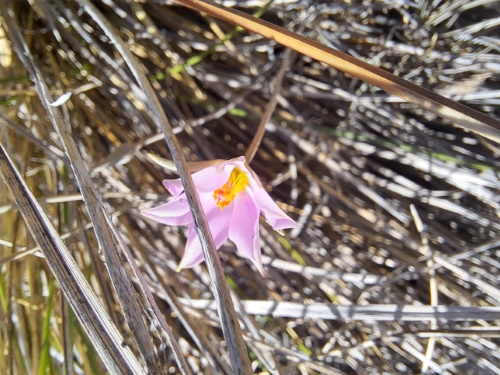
{"x": 410, "y": 346}
{"x": 193, "y": 329}
{"x": 473, "y": 331}
{"x": 67, "y": 341}
{"x": 34, "y": 250}
{"x": 276, "y": 88}
{"x": 366, "y": 313}
{"x": 396, "y": 337}
{"x": 309, "y": 148}
{"x": 232, "y": 332}
{"x": 358, "y": 279}
{"x": 467, "y": 182}
{"x": 56, "y": 153}
{"x": 294, "y": 355}
{"x": 252, "y": 331}
{"x": 200, "y": 121}
{"x": 454, "y": 112}
{"x": 54, "y": 14}
{"x": 125, "y": 152}
{"x": 433, "y": 289}
{"x": 93, "y": 317}
{"x": 447, "y": 10}
{"x": 474, "y": 251}
{"x": 105, "y": 231}
{"x": 74, "y": 198}
{"x": 491, "y": 290}
{"x": 467, "y": 355}
{"x": 161, "y": 289}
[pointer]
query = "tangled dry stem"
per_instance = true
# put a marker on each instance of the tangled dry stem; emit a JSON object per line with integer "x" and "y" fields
{"x": 394, "y": 266}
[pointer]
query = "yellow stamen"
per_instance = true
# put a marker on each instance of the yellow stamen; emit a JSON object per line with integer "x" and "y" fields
{"x": 237, "y": 182}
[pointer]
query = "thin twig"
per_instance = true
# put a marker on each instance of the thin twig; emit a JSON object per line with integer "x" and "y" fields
{"x": 455, "y": 112}
{"x": 229, "y": 322}
{"x": 103, "y": 333}
{"x": 275, "y": 91}
{"x": 433, "y": 290}
{"x": 374, "y": 312}
{"x": 107, "y": 235}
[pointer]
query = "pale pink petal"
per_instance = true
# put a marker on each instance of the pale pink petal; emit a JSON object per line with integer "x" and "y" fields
{"x": 174, "y": 186}
{"x": 218, "y": 221}
{"x": 193, "y": 253}
{"x": 206, "y": 180}
{"x": 175, "y": 212}
{"x": 244, "y": 229}
{"x": 212, "y": 178}
{"x": 271, "y": 212}
{"x": 238, "y": 162}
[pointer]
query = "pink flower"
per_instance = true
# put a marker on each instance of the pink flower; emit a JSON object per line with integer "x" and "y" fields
{"x": 233, "y": 199}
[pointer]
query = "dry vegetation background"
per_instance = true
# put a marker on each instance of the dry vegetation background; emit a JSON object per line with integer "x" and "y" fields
{"x": 394, "y": 267}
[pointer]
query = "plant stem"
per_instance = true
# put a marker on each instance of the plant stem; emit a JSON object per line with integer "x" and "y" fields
{"x": 276, "y": 88}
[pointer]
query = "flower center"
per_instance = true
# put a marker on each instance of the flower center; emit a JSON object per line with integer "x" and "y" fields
{"x": 237, "y": 182}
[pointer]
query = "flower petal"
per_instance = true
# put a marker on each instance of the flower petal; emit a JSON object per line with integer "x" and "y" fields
{"x": 270, "y": 210}
{"x": 175, "y": 212}
{"x": 193, "y": 253}
{"x": 206, "y": 180}
{"x": 238, "y": 162}
{"x": 174, "y": 186}
{"x": 244, "y": 228}
{"x": 218, "y": 221}
{"x": 211, "y": 178}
